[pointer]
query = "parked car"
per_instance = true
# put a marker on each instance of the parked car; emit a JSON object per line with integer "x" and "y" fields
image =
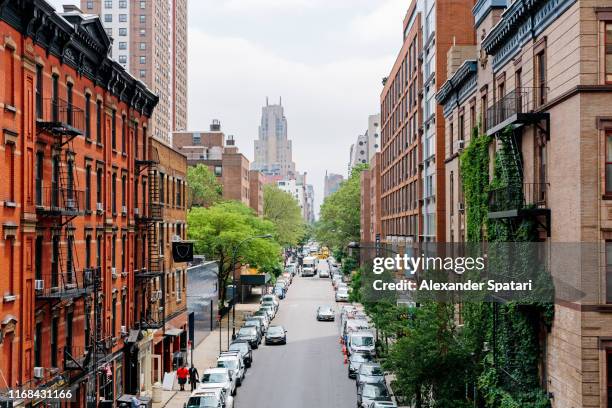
{"x": 326, "y": 313}
{"x": 370, "y": 373}
{"x": 276, "y": 335}
{"x": 263, "y": 320}
{"x": 342, "y": 295}
{"x": 280, "y": 292}
{"x": 360, "y": 342}
{"x": 268, "y": 298}
{"x": 323, "y": 273}
{"x": 354, "y": 362}
{"x": 219, "y": 377}
{"x": 270, "y": 303}
{"x": 210, "y": 396}
{"x": 233, "y": 362}
{"x": 270, "y": 310}
{"x": 245, "y": 350}
{"x": 367, "y": 393}
{"x": 265, "y": 314}
{"x": 250, "y": 334}
{"x": 288, "y": 276}
{"x": 254, "y": 322}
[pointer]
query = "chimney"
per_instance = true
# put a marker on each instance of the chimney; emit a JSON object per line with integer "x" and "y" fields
{"x": 215, "y": 126}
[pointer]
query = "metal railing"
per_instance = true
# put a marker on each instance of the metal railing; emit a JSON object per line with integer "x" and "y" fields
{"x": 533, "y": 195}
{"x": 60, "y": 199}
{"x": 64, "y": 284}
{"x": 520, "y": 100}
{"x": 61, "y": 117}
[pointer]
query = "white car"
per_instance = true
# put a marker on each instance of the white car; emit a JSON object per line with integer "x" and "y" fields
{"x": 268, "y": 298}
{"x": 342, "y": 295}
{"x": 361, "y": 342}
{"x": 233, "y": 362}
{"x": 323, "y": 273}
{"x": 219, "y": 377}
{"x": 210, "y": 396}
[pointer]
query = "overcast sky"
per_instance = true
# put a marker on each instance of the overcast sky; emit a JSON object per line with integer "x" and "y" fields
{"x": 325, "y": 58}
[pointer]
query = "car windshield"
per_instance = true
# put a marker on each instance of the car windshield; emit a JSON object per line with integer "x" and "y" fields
{"x": 275, "y": 330}
{"x": 229, "y": 364}
{"x": 342, "y": 291}
{"x": 252, "y": 323}
{"x": 325, "y": 309}
{"x": 374, "y": 391}
{"x": 215, "y": 378}
{"x": 371, "y": 370}
{"x": 362, "y": 341}
{"x": 360, "y": 358}
{"x": 247, "y": 331}
{"x": 202, "y": 401}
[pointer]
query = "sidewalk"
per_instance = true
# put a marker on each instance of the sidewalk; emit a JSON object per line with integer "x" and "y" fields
{"x": 205, "y": 355}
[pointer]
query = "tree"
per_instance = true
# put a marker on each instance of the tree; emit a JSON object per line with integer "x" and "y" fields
{"x": 205, "y": 188}
{"x": 281, "y": 209}
{"x": 340, "y": 220}
{"x": 219, "y": 229}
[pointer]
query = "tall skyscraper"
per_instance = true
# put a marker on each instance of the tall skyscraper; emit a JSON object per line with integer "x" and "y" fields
{"x": 150, "y": 41}
{"x": 332, "y": 183}
{"x": 273, "y": 154}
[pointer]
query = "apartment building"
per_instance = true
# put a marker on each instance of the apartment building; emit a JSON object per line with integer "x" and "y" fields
{"x": 373, "y": 133}
{"x": 400, "y": 156}
{"x": 256, "y": 194}
{"x": 544, "y": 68}
{"x": 75, "y": 127}
{"x": 150, "y": 42}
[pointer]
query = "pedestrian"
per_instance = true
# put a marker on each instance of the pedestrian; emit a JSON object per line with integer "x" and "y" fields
{"x": 193, "y": 377}
{"x": 182, "y": 373}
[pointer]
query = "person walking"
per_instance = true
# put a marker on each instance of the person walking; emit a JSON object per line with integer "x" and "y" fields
{"x": 193, "y": 377}
{"x": 182, "y": 373}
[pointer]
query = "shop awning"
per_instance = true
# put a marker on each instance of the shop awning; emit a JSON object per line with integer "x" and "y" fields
{"x": 255, "y": 280}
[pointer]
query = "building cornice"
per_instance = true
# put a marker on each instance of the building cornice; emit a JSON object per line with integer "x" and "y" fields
{"x": 482, "y": 7}
{"x": 80, "y": 42}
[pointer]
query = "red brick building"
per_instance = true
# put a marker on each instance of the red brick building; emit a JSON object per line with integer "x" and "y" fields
{"x": 74, "y": 139}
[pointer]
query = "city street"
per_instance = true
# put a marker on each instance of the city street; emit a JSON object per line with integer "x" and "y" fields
{"x": 309, "y": 370}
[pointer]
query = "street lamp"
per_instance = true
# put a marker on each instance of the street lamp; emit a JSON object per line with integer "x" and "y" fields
{"x": 234, "y": 254}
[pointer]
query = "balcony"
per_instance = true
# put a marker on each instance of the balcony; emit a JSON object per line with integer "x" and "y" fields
{"x": 58, "y": 201}
{"x": 517, "y": 107}
{"x": 61, "y": 118}
{"x": 76, "y": 358}
{"x": 154, "y": 319}
{"x": 531, "y": 203}
{"x": 153, "y": 271}
{"x": 64, "y": 285}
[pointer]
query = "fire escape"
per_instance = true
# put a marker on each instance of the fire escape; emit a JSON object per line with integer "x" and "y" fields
{"x": 57, "y": 206}
{"x": 152, "y": 317}
{"x": 516, "y": 110}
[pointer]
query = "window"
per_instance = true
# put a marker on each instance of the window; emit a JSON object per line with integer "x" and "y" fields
{"x": 108, "y": 4}
{"x": 114, "y": 251}
{"x": 218, "y": 171}
{"x": 179, "y": 289}
{"x": 114, "y": 319}
{"x": 142, "y": 18}
{"x": 39, "y": 91}
{"x": 143, "y": 32}
{"x": 143, "y": 59}
{"x": 40, "y": 158}
{"x": 609, "y": 271}
{"x": 38, "y": 345}
{"x": 461, "y": 128}
{"x": 162, "y": 180}
{"x": 123, "y": 18}
{"x": 123, "y": 191}
{"x": 89, "y": 4}
{"x": 452, "y": 193}
{"x": 123, "y": 133}
{"x": 54, "y": 330}
{"x": 123, "y": 255}
{"x": 451, "y": 129}
{"x": 9, "y": 76}
{"x": 122, "y": 32}
{"x": 10, "y": 161}
{"x": 88, "y": 251}
{"x": 87, "y": 116}
{"x": 88, "y": 188}
{"x": 122, "y": 59}
{"x": 99, "y": 122}
{"x": 114, "y": 193}
{"x": 99, "y": 187}
{"x": 540, "y": 78}
{"x": 54, "y": 97}
{"x": 143, "y": 73}
{"x": 114, "y": 129}
{"x": 142, "y": 46}
{"x": 123, "y": 45}
{"x": 122, "y": 4}
{"x": 108, "y": 18}
{"x": 142, "y": 4}
{"x": 109, "y": 31}
{"x": 609, "y": 164}
{"x": 608, "y": 46}
{"x": 99, "y": 251}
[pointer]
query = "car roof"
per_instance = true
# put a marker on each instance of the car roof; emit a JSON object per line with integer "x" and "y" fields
{"x": 207, "y": 388}
{"x": 216, "y": 370}
{"x": 228, "y": 357}
{"x": 362, "y": 333}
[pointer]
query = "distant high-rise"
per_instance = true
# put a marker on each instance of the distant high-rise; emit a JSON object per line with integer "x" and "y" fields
{"x": 150, "y": 41}
{"x": 332, "y": 183}
{"x": 273, "y": 153}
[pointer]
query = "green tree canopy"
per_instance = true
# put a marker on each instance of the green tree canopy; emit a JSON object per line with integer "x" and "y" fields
{"x": 281, "y": 209}
{"x": 205, "y": 188}
{"x": 340, "y": 218}
{"x": 219, "y": 229}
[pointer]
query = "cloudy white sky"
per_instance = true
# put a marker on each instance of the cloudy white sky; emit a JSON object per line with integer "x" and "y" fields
{"x": 325, "y": 58}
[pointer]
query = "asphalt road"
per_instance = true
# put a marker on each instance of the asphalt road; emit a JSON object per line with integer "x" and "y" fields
{"x": 309, "y": 371}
